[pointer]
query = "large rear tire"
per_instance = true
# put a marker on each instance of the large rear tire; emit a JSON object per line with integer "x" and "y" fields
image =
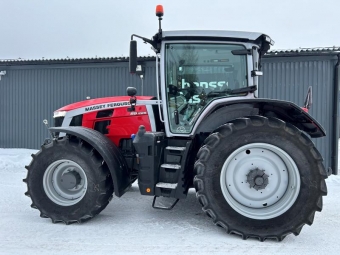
{"x": 259, "y": 177}
{"x": 68, "y": 181}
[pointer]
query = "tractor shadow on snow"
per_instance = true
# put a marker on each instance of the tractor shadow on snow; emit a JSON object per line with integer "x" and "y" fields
{"x": 187, "y": 215}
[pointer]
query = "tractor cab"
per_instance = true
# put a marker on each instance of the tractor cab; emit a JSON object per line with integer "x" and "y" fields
{"x": 197, "y": 68}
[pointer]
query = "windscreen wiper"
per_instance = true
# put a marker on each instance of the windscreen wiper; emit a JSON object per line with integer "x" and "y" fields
{"x": 250, "y": 89}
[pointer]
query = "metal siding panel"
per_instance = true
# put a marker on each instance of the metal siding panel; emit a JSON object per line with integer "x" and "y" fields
{"x": 289, "y": 79}
{"x": 30, "y": 94}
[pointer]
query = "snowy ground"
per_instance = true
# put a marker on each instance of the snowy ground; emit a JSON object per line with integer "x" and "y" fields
{"x": 129, "y": 225}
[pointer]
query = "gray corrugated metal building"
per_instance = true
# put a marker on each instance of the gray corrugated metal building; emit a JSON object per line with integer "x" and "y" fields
{"x": 31, "y": 90}
{"x": 287, "y": 76}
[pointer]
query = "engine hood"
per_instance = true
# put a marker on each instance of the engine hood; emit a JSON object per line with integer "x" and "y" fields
{"x": 96, "y": 101}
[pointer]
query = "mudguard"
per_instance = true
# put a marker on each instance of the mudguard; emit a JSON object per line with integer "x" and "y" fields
{"x": 108, "y": 150}
{"x": 225, "y": 114}
{"x": 284, "y": 110}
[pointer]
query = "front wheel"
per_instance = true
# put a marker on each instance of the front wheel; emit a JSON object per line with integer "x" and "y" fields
{"x": 68, "y": 181}
{"x": 260, "y": 177}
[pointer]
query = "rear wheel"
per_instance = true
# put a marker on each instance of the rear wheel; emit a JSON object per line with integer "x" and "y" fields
{"x": 260, "y": 177}
{"x": 68, "y": 181}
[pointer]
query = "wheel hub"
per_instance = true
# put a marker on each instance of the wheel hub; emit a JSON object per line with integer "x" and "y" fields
{"x": 70, "y": 180}
{"x": 257, "y": 179}
{"x": 65, "y": 182}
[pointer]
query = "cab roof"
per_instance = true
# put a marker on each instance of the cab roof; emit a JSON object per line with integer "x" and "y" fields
{"x": 240, "y": 35}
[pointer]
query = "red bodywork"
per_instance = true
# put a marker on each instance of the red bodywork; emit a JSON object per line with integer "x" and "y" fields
{"x": 122, "y": 122}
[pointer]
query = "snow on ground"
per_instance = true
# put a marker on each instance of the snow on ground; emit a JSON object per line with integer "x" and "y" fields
{"x": 129, "y": 225}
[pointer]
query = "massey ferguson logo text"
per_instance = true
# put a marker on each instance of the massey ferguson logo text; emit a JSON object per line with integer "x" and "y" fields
{"x": 108, "y": 105}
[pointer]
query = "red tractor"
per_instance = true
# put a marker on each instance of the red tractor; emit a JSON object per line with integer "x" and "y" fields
{"x": 255, "y": 170}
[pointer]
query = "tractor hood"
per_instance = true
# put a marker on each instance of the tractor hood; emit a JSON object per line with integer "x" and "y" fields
{"x": 97, "y": 101}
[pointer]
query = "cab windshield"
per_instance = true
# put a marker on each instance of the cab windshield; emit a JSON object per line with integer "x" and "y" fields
{"x": 196, "y": 74}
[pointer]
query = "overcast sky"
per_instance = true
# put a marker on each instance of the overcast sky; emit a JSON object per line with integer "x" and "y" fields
{"x": 35, "y": 29}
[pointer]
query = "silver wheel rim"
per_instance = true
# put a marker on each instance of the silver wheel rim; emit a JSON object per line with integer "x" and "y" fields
{"x": 270, "y": 201}
{"x": 53, "y": 183}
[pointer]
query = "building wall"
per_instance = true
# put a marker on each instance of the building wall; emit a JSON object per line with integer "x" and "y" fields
{"x": 30, "y": 93}
{"x": 288, "y": 78}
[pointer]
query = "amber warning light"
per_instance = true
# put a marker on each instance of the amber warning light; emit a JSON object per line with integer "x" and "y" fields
{"x": 159, "y": 11}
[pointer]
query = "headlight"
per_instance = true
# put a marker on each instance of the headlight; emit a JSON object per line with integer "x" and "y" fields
{"x": 59, "y": 114}
{"x": 269, "y": 40}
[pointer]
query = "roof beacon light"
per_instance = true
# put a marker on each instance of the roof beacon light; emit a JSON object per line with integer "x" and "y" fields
{"x": 159, "y": 11}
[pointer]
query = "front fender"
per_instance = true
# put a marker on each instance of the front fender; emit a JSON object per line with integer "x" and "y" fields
{"x": 108, "y": 150}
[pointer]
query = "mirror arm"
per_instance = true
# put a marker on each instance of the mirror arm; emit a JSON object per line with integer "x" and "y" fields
{"x": 146, "y": 40}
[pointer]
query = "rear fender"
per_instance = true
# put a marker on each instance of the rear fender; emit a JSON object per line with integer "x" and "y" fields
{"x": 108, "y": 150}
{"x": 284, "y": 110}
{"x": 225, "y": 114}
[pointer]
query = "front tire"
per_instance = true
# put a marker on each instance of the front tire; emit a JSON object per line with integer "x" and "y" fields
{"x": 68, "y": 181}
{"x": 259, "y": 177}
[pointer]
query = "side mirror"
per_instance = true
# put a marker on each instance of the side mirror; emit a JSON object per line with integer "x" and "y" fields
{"x": 131, "y": 91}
{"x": 133, "y": 56}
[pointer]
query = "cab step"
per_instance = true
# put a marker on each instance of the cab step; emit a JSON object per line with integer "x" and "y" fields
{"x": 165, "y": 185}
{"x": 171, "y": 166}
{"x": 163, "y": 207}
{"x": 175, "y": 148}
